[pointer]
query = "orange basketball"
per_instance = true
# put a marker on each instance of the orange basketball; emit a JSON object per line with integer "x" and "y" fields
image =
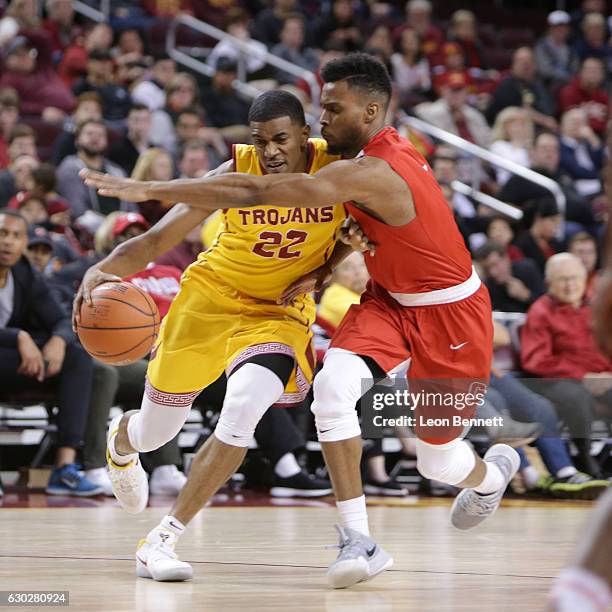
{"x": 121, "y": 326}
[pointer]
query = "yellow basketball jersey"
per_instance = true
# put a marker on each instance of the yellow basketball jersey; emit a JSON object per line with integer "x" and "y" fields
{"x": 261, "y": 250}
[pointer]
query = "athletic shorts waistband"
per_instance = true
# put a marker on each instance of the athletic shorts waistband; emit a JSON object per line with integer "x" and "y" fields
{"x": 440, "y": 296}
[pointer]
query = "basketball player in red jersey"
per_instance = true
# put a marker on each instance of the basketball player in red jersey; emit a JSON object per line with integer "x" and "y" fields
{"x": 586, "y": 584}
{"x": 424, "y": 306}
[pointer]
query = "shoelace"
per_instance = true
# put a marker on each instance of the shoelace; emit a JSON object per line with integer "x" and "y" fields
{"x": 478, "y": 505}
{"x": 346, "y": 545}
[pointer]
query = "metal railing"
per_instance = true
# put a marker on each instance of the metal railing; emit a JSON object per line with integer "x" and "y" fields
{"x": 101, "y": 15}
{"x": 244, "y": 47}
{"x": 491, "y": 158}
{"x": 484, "y": 198}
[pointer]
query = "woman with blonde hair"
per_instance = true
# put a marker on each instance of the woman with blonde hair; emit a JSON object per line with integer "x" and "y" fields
{"x": 463, "y": 30}
{"x": 154, "y": 164}
{"x": 513, "y": 136}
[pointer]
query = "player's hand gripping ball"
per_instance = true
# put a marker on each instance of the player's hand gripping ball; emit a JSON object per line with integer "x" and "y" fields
{"x": 121, "y": 325}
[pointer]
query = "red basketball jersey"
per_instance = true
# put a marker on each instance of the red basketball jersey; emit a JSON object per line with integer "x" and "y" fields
{"x": 426, "y": 254}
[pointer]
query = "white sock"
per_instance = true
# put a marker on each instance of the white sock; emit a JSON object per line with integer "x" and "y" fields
{"x": 493, "y": 480}
{"x": 353, "y": 514}
{"x": 287, "y": 466}
{"x": 530, "y": 477}
{"x": 168, "y": 525}
{"x": 579, "y": 589}
{"x": 566, "y": 472}
{"x": 116, "y": 457}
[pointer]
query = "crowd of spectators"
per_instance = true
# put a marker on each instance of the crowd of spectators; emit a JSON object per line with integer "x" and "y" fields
{"x": 77, "y": 94}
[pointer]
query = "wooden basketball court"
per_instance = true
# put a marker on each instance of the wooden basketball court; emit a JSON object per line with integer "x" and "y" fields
{"x": 274, "y": 558}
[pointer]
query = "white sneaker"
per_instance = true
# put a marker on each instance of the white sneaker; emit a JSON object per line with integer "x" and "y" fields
{"x": 156, "y": 559}
{"x": 167, "y": 480}
{"x": 129, "y": 482}
{"x": 99, "y": 477}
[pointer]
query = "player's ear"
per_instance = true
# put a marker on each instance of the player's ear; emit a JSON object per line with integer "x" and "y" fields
{"x": 371, "y": 111}
{"x": 305, "y": 134}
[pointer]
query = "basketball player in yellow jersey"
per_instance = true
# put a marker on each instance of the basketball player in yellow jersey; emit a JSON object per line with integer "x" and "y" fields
{"x": 226, "y": 317}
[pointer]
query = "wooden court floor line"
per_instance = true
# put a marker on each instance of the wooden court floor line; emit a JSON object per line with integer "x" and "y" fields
{"x": 238, "y": 563}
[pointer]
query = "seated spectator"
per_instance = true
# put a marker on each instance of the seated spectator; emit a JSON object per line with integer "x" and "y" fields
{"x": 237, "y": 25}
{"x": 557, "y": 342}
{"x": 60, "y": 25}
{"x": 291, "y": 48}
{"x": 523, "y": 88}
{"x": 44, "y": 356}
{"x": 418, "y": 17}
{"x": 512, "y": 139}
{"x": 545, "y": 160}
{"x": 151, "y": 92}
{"x": 582, "y": 153}
{"x": 453, "y": 114}
{"x": 91, "y": 144}
{"x": 269, "y": 21}
{"x": 380, "y": 45}
{"x": 22, "y": 141}
{"x": 513, "y": 285}
{"x": 556, "y": 62}
{"x": 587, "y": 91}
{"x": 39, "y": 251}
{"x": 73, "y": 65}
{"x": 25, "y": 13}
{"x": 89, "y": 106}
{"x": 194, "y": 161}
{"x": 17, "y": 177}
{"x": 29, "y": 70}
{"x": 584, "y": 247}
{"x": 181, "y": 93}
{"x": 500, "y": 230}
{"x": 9, "y": 116}
{"x": 154, "y": 164}
{"x": 342, "y": 27}
{"x": 130, "y": 59}
{"x": 463, "y": 31}
{"x": 539, "y": 243}
{"x": 100, "y": 78}
{"x": 224, "y": 106}
{"x": 135, "y": 141}
{"x": 593, "y": 41}
{"x": 349, "y": 281}
{"x": 410, "y": 69}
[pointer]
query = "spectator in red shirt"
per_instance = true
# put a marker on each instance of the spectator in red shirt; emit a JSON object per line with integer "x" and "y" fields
{"x": 74, "y": 61}
{"x": 462, "y": 31}
{"x": 587, "y": 91}
{"x": 557, "y": 341}
{"x": 60, "y": 24}
{"x": 29, "y": 70}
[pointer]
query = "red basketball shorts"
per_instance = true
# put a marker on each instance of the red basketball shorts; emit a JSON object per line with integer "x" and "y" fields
{"x": 448, "y": 347}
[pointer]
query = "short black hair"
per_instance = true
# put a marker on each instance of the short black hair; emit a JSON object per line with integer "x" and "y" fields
{"x": 139, "y": 107}
{"x": 45, "y": 177}
{"x": 11, "y": 212}
{"x": 277, "y": 103}
{"x": 361, "y": 71}
{"x": 482, "y": 252}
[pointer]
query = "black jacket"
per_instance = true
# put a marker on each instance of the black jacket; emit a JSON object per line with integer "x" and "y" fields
{"x": 526, "y": 271}
{"x": 35, "y": 309}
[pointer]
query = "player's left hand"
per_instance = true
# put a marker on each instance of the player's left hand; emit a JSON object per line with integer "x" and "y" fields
{"x": 115, "y": 186}
{"x": 353, "y": 235}
{"x": 313, "y": 281}
{"x": 602, "y": 313}
{"x": 53, "y": 353}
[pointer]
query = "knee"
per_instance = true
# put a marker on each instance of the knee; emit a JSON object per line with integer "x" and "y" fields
{"x": 105, "y": 379}
{"x": 334, "y": 409}
{"x": 77, "y": 358}
{"x": 239, "y": 418}
{"x": 450, "y": 463}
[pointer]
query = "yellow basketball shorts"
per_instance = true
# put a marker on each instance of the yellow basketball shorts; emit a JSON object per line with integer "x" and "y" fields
{"x": 211, "y": 328}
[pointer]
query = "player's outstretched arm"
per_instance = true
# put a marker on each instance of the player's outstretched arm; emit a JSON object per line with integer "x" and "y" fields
{"x": 361, "y": 180}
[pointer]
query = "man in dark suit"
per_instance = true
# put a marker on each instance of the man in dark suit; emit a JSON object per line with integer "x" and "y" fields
{"x": 38, "y": 352}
